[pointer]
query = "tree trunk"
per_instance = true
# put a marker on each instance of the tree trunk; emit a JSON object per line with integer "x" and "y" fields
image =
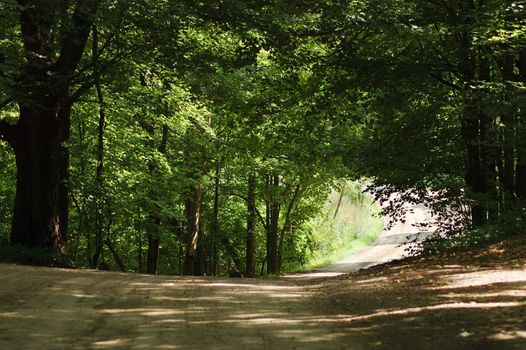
{"x": 508, "y": 135}
{"x": 474, "y": 175}
{"x": 214, "y": 234}
{"x": 41, "y": 203}
{"x": 193, "y": 216}
{"x": 99, "y": 180}
{"x": 273, "y": 229}
{"x": 250, "y": 269}
{"x": 116, "y": 256}
{"x": 287, "y": 224}
{"x": 40, "y": 216}
{"x": 152, "y": 257}
{"x": 521, "y": 156}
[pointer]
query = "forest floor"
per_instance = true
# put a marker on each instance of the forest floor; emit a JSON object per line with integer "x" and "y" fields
{"x": 458, "y": 300}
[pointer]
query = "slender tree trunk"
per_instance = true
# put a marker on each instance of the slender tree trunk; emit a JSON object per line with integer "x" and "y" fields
{"x": 342, "y": 192}
{"x": 200, "y": 263}
{"x": 116, "y": 256}
{"x": 152, "y": 258}
{"x": 521, "y": 162}
{"x": 99, "y": 180}
{"x": 214, "y": 239}
{"x": 272, "y": 234}
{"x": 508, "y": 135}
{"x": 488, "y": 140}
{"x": 250, "y": 269}
{"x": 287, "y": 224}
{"x": 193, "y": 216}
{"x": 474, "y": 175}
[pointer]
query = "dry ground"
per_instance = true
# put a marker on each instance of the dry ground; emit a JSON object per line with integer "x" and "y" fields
{"x": 451, "y": 301}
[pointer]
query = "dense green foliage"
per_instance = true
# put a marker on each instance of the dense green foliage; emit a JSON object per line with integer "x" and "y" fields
{"x": 205, "y": 137}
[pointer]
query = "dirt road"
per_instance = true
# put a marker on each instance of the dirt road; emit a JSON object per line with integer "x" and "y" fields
{"x": 445, "y": 302}
{"x": 389, "y": 246}
{"x": 43, "y": 308}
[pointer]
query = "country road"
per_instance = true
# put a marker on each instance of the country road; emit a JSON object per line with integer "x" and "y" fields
{"x": 390, "y": 245}
{"x": 42, "y": 308}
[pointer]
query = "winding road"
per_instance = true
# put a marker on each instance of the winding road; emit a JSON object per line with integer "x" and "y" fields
{"x": 390, "y": 245}
{"x": 44, "y": 308}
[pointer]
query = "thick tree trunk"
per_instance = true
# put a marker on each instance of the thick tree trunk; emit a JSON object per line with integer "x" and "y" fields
{"x": 250, "y": 268}
{"x": 40, "y": 216}
{"x": 193, "y": 216}
{"x": 41, "y": 202}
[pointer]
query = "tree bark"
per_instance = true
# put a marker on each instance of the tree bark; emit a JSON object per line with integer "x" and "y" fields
{"x": 214, "y": 239}
{"x": 250, "y": 269}
{"x": 193, "y": 216}
{"x": 474, "y": 175}
{"x": 152, "y": 258}
{"x": 40, "y": 216}
{"x": 521, "y": 156}
{"x": 287, "y": 224}
{"x": 41, "y": 201}
{"x": 116, "y": 256}
{"x": 99, "y": 180}
{"x": 273, "y": 229}
{"x": 508, "y": 134}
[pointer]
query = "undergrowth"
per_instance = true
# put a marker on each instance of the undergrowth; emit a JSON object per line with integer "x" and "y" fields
{"x": 33, "y": 256}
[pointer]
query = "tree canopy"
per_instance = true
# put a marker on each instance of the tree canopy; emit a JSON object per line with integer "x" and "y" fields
{"x": 204, "y": 137}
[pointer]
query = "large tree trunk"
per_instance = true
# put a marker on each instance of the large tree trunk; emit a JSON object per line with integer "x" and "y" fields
{"x": 41, "y": 202}
{"x": 250, "y": 268}
{"x": 40, "y": 216}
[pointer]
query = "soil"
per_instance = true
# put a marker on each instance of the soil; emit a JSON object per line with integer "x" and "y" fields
{"x": 458, "y": 300}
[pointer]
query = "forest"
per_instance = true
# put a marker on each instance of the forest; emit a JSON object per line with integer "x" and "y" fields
{"x": 204, "y": 137}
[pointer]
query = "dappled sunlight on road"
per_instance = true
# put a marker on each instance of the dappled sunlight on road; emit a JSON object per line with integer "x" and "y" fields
{"x": 481, "y": 278}
{"x": 98, "y": 310}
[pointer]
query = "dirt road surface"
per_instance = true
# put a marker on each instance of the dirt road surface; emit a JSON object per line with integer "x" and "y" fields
{"x": 44, "y": 308}
{"x": 444, "y": 302}
{"x": 390, "y": 245}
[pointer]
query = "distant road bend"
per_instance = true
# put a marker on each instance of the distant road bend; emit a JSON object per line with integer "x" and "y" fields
{"x": 390, "y": 245}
